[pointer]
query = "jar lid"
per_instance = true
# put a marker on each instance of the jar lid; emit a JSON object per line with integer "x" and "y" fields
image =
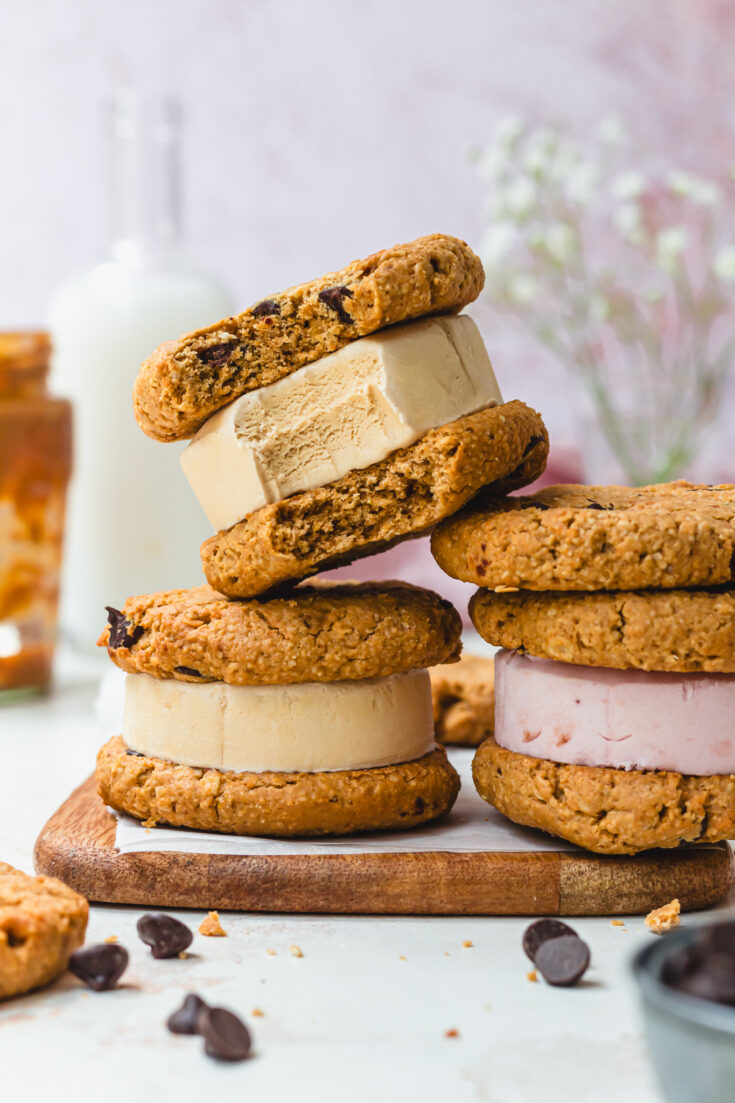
{"x": 24, "y": 361}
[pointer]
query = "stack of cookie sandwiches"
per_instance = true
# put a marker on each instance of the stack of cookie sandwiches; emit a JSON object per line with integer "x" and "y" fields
{"x": 615, "y": 688}
{"x": 328, "y": 422}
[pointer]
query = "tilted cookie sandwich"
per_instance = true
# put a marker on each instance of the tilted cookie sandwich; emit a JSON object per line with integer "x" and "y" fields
{"x": 464, "y": 700}
{"x": 338, "y": 425}
{"x": 308, "y": 714}
{"x": 42, "y": 922}
{"x": 613, "y": 721}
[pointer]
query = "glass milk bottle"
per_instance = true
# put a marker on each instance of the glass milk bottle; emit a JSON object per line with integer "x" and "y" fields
{"x": 133, "y": 524}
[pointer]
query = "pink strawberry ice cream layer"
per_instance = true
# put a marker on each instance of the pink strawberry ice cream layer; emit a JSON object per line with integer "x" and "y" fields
{"x": 627, "y": 719}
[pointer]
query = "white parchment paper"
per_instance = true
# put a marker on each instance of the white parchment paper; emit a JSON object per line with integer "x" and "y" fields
{"x": 472, "y": 826}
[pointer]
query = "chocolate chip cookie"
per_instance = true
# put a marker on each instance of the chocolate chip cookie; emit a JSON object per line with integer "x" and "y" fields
{"x": 372, "y": 509}
{"x": 594, "y": 538}
{"x": 185, "y": 381}
{"x": 279, "y": 804}
{"x": 602, "y": 809}
{"x": 312, "y": 633}
{"x": 42, "y": 922}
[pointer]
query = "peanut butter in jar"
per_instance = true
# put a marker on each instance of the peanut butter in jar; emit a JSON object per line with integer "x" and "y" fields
{"x": 35, "y": 465}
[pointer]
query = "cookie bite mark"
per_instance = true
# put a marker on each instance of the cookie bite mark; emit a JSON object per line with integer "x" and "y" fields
{"x": 182, "y": 383}
{"x": 372, "y": 509}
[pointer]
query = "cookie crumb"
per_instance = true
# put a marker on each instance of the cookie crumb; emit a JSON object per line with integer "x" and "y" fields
{"x": 183, "y": 955}
{"x": 617, "y": 923}
{"x": 271, "y": 952}
{"x": 451, "y": 1033}
{"x": 532, "y": 976}
{"x": 467, "y": 944}
{"x": 401, "y": 957}
{"x": 111, "y": 938}
{"x": 446, "y": 953}
{"x": 211, "y": 926}
{"x": 258, "y": 1013}
{"x": 296, "y": 951}
{"x": 661, "y": 920}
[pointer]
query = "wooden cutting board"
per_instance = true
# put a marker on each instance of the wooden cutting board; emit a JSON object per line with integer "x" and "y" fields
{"x": 78, "y": 845}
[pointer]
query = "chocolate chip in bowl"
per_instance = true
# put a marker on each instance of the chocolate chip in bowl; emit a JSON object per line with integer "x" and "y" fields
{"x": 686, "y": 982}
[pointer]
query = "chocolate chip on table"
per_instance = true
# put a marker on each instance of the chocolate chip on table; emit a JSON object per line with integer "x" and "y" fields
{"x": 99, "y": 967}
{"x": 188, "y": 670}
{"x": 562, "y": 961}
{"x": 165, "y": 935}
{"x": 542, "y": 930}
{"x": 266, "y": 307}
{"x": 332, "y": 297}
{"x": 120, "y": 636}
{"x": 225, "y": 1035}
{"x": 185, "y": 1020}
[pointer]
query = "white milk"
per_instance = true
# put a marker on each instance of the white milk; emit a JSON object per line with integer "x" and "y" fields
{"x": 133, "y": 524}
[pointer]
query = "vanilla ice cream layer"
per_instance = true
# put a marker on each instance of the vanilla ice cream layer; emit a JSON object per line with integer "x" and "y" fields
{"x": 348, "y": 410}
{"x": 309, "y": 727}
{"x": 627, "y": 719}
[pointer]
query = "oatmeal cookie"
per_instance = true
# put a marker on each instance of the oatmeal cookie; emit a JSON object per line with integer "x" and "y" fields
{"x": 278, "y": 804}
{"x": 42, "y": 922}
{"x": 185, "y": 381}
{"x": 594, "y": 538}
{"x": 464, "y": 700}
{"x": 372, "y": 509}
{"x": 686, "y": 631}
{"x": 605, "y": 810}
{"x": 312, "y": 633}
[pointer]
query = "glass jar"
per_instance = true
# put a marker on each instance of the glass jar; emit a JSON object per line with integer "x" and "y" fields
{"x": 35, "y": 464}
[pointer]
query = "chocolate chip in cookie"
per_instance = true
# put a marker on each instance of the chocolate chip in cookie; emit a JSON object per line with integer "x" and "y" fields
{"x": 120, "y": 636}
{"x": 333, "y": 297}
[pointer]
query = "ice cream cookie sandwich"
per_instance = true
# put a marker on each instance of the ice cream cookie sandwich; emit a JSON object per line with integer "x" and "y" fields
{"x": 613, "y": 707}
{"x": 333, "y": 420}
{"x": 309, "y": 714}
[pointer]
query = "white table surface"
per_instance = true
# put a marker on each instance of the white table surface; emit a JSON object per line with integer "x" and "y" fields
{"x": 349, "y": 1021}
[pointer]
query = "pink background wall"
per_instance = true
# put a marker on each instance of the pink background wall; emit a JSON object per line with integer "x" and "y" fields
{"x": 319, "y": 131}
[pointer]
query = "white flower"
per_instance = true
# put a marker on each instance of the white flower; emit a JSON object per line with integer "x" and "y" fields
{"x": 497, "y": 241}
{"x": 492, "y": 163}
{"x": 539, "y": 150}
{"x": 582, "y": 182}
{"x": 703, "y": 192}
{"x": 611, "y": 131}
{"x": 724, "y": 263}
{"x": 521, "y": 288}
{"x": 560, "y": 242}
{"x": 670, "y": 245}
{"x": 565, "y": 161}
{"x": 628, "y": 221}
{"x": 520, "y": 197}
{"x": 508, "y": 130}
{"x": 629, "y": 185}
